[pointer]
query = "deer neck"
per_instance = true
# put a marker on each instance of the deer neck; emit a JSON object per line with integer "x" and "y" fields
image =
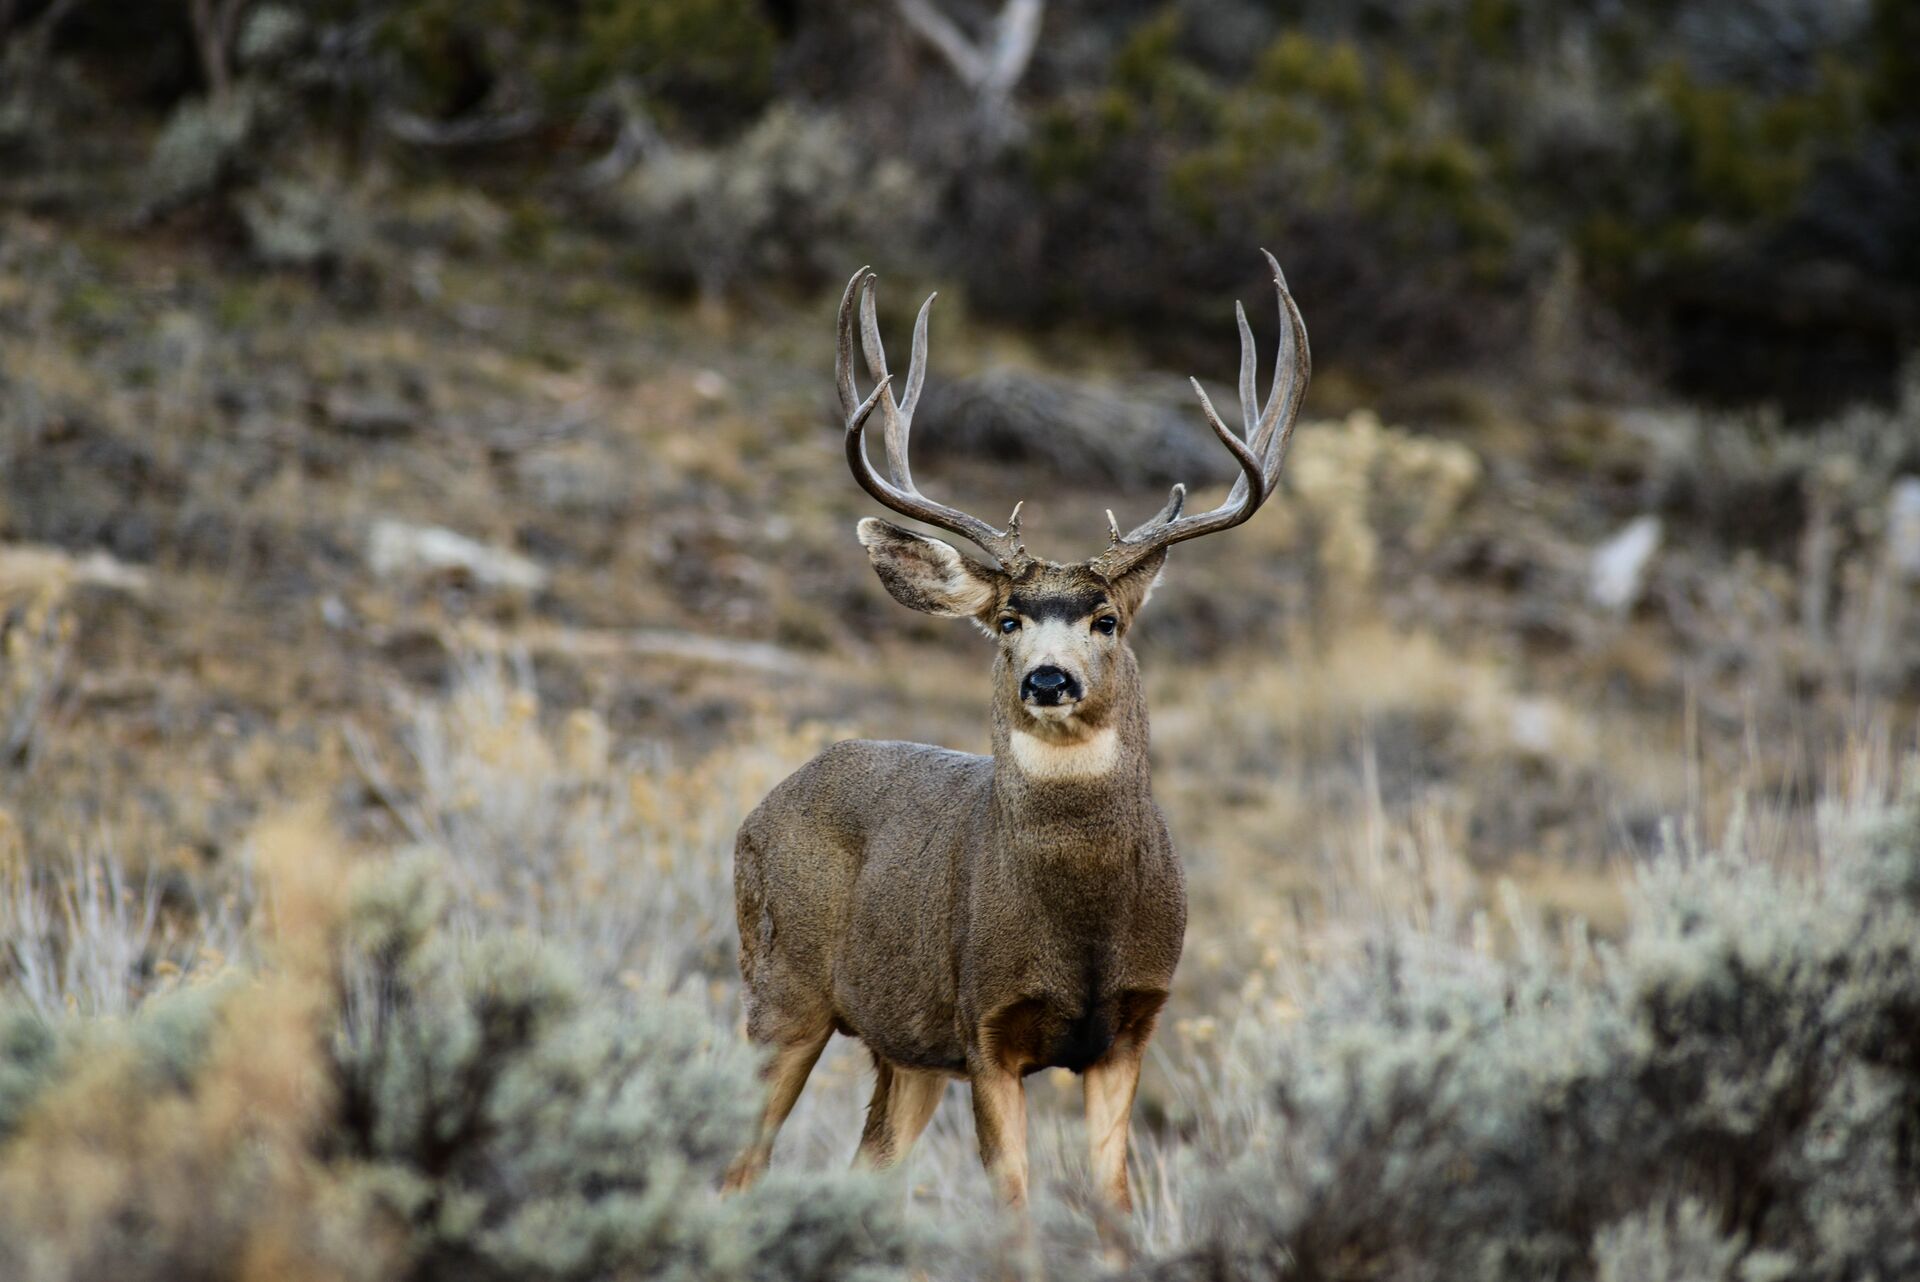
{"x": 1091, "y": 771}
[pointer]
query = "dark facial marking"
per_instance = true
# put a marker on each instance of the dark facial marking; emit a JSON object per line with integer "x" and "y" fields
{"x": 1057, "y": 605}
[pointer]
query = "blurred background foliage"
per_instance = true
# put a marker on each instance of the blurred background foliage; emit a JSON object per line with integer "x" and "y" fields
{"x": 1721, "y": 194}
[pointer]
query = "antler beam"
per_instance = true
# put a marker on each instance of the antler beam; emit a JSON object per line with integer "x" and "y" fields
{"x": 896, "y": 490}
{"x": 1260, "y": 450}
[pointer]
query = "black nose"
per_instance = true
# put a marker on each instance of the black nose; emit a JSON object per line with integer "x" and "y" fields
{"x": 1048, "y": 685}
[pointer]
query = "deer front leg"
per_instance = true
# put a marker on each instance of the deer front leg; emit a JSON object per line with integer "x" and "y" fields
{"x": 1109, "y": 1087}
{"x": 1000, "y": 1121}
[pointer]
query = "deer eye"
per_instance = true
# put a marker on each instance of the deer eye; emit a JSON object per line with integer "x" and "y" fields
{"x": 1105, "y": 625}
{"x": 1009, "y": 624}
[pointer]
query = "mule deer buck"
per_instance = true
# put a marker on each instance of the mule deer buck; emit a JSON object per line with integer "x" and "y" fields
{"x": 988, "y": 917}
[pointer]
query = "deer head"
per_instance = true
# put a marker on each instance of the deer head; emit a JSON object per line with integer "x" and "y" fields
{"x": 1063, "y": 662}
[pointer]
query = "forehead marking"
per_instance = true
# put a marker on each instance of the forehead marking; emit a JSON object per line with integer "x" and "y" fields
{"x": 1069, "y": 605}
{"x": 1087, "y": 758}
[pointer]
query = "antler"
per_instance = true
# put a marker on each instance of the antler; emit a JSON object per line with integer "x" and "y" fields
{"x": 897, "y": 490}
{"x": 1260, "y": 452}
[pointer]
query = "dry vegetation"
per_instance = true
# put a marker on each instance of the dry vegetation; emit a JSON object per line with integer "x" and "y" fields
{"x": 364, "y": 892}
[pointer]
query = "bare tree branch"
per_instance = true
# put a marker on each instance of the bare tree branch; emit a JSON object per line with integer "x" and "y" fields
{"x": 990, "y": 67}
{"x": 947, "y": 39}
{"x": 35, "y": 37}
{"x": 1015, "y": 36}
{"x": 215, "y": 28}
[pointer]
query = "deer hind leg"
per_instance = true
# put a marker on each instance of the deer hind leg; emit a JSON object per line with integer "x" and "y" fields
{"x": 903, "y": 1104}
{"x": 783, "y": 1075}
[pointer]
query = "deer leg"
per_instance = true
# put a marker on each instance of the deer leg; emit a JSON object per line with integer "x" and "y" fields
{"x": 1000, "y": 1121}
{"x": 903, "y": 1104}
{"x": 784, "y": 1075}
{"x": 1109, "y": 1086}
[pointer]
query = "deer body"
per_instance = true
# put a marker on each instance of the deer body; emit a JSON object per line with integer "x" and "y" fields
{"x": 915, "y": 897}
{"x": 985, "y": 917}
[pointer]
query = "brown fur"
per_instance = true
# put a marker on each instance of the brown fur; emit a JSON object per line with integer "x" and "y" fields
{"x": 958, "y": 914}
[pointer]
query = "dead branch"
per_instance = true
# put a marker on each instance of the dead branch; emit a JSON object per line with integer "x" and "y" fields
{"x": 990, "y": 67}
{"x": 216, "y": 25}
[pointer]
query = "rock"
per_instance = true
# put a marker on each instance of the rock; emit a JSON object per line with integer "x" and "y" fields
{"x": 1531, "y": 727}
{"x": 368, "y": 414}
{"x": 29, "y": 570}
{"x": 1541, "y": 728}
{"x": 582, "y": 478}
{"x": 397, "y": 549}
{"x": 1137, "y": 435}
{"x": 1617, "y": 575}
{"x": 1903, "y": 528}
{"x": 292, "y": 223}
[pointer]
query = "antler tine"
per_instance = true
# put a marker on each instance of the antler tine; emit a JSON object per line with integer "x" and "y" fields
{"x": 894, "y": 424}
{"x": 843, "y": 355}
{"x": 1249, "y": 371}
{"x": 897, "y": 490}
{"x": 1252, "y": 477}
{"x": 870, "y": 345}
{"x": 1176, "y": 499}
{"x": 917, "y": 362}
{"x": 897, "y": 417}
{"x": 1292, "y": 372}
{"x": 857, "y": 421}
{"x": 1260, "y": 455}
{"x": 1288, "y": 343}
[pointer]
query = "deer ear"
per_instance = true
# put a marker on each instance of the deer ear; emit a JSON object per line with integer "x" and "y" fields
{"x": 1132, "y": 588}
{"x": 928, "y": 575}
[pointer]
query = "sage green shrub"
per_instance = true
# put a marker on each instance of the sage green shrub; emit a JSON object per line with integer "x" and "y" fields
{"x": 435, "y": 1107}
{"x": 1733, "y": 1091}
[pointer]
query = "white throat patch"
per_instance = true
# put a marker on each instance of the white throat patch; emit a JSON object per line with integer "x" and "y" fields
{"x": 1088, "y": 758}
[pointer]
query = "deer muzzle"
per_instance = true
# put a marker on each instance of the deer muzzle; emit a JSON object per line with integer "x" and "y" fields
{"x": 1048, "y": 686}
